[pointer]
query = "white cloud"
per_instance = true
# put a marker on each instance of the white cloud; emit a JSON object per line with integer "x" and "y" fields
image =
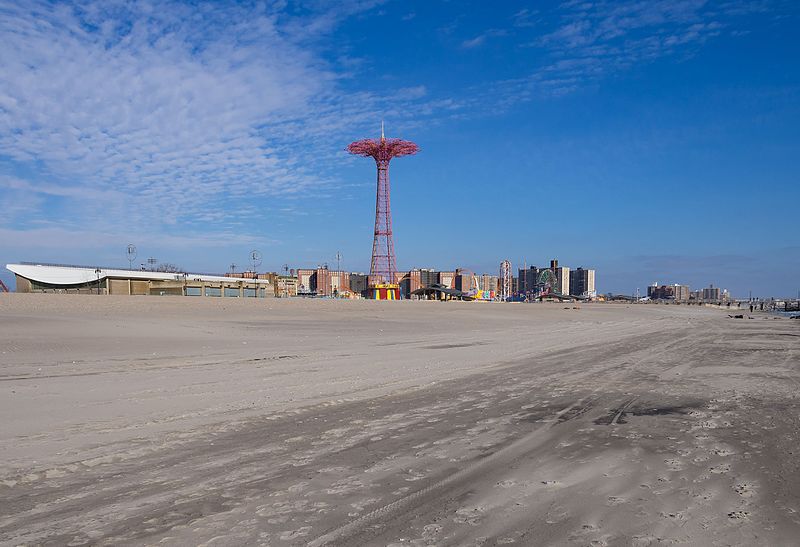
{"x": 167, "y": 105}
{"x": 483, "y": 37}
{"x": 474, "y": 42}
{"x": 594, "y": 40}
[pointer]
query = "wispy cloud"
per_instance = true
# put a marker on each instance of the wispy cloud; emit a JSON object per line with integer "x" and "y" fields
{"x": 482, "y": 38}
{"x": 145, "y": 100}
{"x": 593, "y": 40}
{"x": 171, "y": 108}
{"x": 525, "y": 18}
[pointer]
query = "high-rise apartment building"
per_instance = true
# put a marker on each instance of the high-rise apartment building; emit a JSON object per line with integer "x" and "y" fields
{"x": 669, "y": 292}
{"x": 527, "y": 279}
{"x": 487, "y": 282}
{"x": 464, "y": 280}
{"x": 428, "y": 277}
{"x": 447, "y": 279}
{"x": 304, "y": 277}
{"x": 321, "y": 281}
{"x": 286, "y": 286}
{"x": 681, "y": 292}
{"x": 712, "y": 294}
{"x": 660, "y": 292}
{"x": 340, "y": 281}
{"x": 562, "y": 276}
{"x": 581, "y": 282}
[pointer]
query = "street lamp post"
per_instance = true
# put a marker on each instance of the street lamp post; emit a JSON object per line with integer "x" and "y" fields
{"x": 98, "y": 271}
{"x": 338, "y": 272}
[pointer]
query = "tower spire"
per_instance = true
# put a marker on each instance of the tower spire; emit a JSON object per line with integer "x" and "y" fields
{"x": 383, "y": 268}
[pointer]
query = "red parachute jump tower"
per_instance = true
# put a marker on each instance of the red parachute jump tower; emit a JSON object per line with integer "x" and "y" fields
{"x": 382, "y": 282}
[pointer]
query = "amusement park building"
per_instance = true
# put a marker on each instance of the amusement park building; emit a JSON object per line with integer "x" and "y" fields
{"x": 420, "y": 278}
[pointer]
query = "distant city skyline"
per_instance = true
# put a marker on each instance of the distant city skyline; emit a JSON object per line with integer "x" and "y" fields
{"x": 651, "y": 142}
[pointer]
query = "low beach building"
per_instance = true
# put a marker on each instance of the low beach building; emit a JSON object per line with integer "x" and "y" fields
{"x": 62, "y": 278}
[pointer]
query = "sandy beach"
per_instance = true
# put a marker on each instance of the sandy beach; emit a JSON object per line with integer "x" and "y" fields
{"x": 203, "y": 421}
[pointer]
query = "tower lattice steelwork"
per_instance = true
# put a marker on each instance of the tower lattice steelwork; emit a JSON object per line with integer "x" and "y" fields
{"x": 384, "y": 265}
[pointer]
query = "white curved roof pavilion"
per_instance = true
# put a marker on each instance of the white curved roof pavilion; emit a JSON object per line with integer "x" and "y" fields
{"x": 53, "y": 277}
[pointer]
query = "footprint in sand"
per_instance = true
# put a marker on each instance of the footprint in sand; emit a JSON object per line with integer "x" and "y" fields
{"x": 469, "y": 515}
{"x": 739, "y": 515}
{"x": 722, "y": 451}
{"x": 616, "y": 500}
{"x": 431, "y": 530}
{"x": 345, "y": 486}
{"x": 744, "y": 489}
{"x": 414, "y": 475}
{"x": 673, "y": 515}
{"x": 704, "y": 496}
{"x": 359, "y": 506}
{"x": 673, "y": 464}
{"x": 579, "y": 535}
{"x": 300, "y": 486}
{"x": 721, "y": 468}
{"x": 506, "y": 483}
{"x": 292, "y": 534}
{"x": 556, "y": 514}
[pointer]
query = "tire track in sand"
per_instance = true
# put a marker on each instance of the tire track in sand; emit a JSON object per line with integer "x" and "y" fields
{"x": 510, "y": 452}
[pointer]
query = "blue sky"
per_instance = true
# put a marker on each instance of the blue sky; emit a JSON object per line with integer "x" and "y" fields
{"x": 651, "y": 140}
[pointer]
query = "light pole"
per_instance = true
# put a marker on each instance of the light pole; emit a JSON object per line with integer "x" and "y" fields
{"x": 255, "y": 261}
{"x": 97, "y": 271}
{"x": 338, "y": 271}
{"x": 131, "y": 251}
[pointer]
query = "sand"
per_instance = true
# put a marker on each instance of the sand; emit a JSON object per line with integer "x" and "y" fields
{"x": 189, "y": 421}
